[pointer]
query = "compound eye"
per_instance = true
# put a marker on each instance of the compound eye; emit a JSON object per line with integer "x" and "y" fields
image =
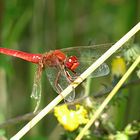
{"x": 72, "y": 63}
{"x": 74, "y": 66}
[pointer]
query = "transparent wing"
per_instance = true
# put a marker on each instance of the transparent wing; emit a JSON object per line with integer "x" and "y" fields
{"x": 102, "y": 70}
{"x": 36, "y": 91}
{"x": 87, "y": 55}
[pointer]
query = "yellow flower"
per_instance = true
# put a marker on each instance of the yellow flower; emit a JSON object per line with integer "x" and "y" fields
{"x": 118, "y": 66}
{"x": 71, "y": 119}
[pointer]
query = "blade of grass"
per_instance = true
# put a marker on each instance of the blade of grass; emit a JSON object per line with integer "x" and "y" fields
{"x": 82, "y": 77}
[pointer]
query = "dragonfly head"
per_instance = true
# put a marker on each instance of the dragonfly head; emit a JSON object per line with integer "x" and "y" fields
{"x": 72, "y": 63}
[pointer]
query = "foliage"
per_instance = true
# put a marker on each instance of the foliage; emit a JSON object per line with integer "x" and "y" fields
{"x": 39, "y": 26}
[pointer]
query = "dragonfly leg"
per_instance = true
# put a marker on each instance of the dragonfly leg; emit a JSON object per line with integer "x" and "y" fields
{"x": 57, "y": 85}
{"x": 71, "y": 78}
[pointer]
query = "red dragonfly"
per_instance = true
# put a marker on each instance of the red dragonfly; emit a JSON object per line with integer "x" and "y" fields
{"x": 62, "y": 66}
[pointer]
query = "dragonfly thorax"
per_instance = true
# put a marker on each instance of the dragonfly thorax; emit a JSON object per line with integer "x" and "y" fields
{"x": 53, "y": 58}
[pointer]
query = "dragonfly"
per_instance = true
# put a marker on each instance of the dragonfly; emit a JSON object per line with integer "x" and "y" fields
{"x": 62, "y": 66}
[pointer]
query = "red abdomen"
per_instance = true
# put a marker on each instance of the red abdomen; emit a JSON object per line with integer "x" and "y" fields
{"x": 34, "y": 58}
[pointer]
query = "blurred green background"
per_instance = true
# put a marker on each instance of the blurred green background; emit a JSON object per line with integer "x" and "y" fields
{"x": 38, "y": 26}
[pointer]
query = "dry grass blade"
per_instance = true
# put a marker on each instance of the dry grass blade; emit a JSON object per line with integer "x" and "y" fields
{"x": 82, "y": 77}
